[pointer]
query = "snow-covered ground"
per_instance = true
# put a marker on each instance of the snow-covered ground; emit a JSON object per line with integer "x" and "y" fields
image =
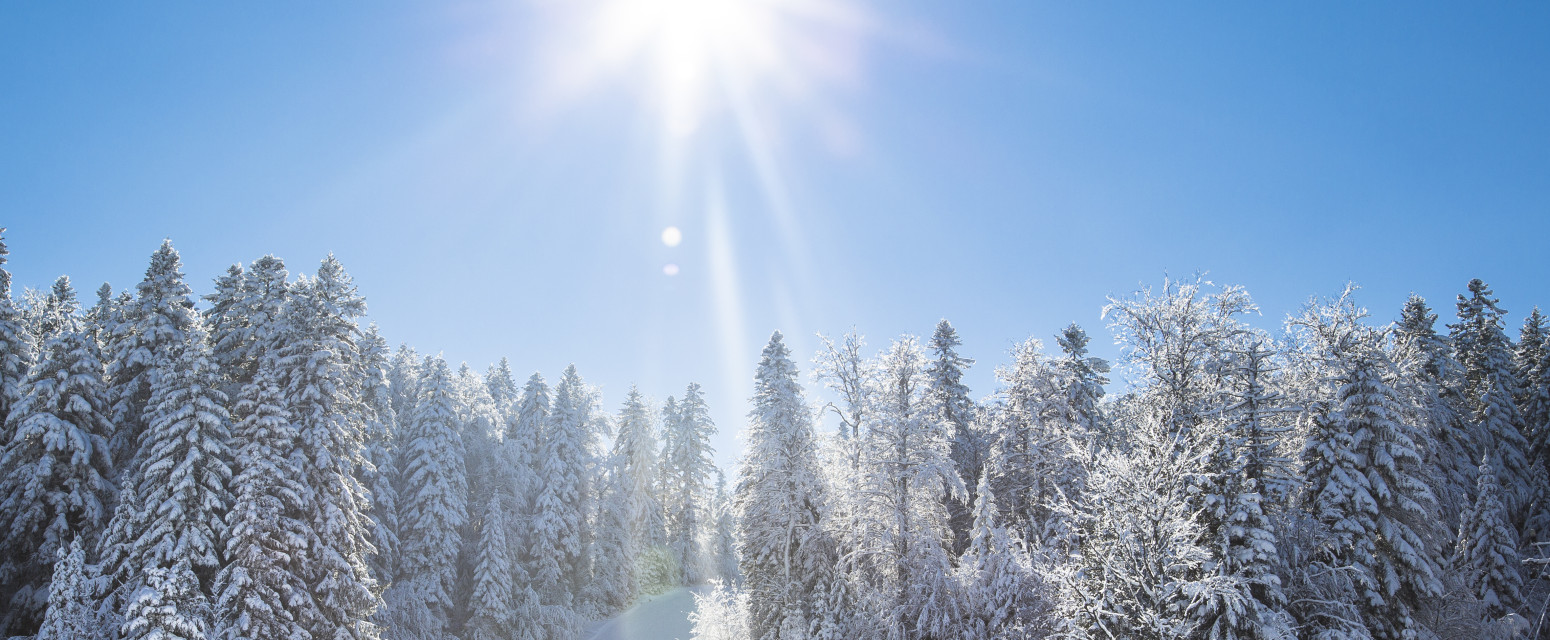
{"x": 662, "y": 617}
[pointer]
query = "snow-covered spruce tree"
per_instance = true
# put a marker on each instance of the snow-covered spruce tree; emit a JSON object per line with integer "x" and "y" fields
{"x": 1483, "y": 349}
{"x": 70, "y": 614}
{"x": 786, "y": 558}
{"x": 560, "y": 569}
{"x": 1000, "y": 590}
{"x": 1389, "y": 526}
{"x": 103, "y": 318}
{"x": 404, "y": 380}
{"x": 244, "y": 317}
{"x": 614, "y": 554}
{"x": 636, "y": 506}
{"x": 491, "y": 605}
{"x": 177, "y": 507}
{"x": 1532, "y": 369}
{"x": 481, "y": 421}
{"x": 316, "y": 348}
{"x": 258, "y": 593}
{"x": 1083, "y": 377}
{"x": 1487, "y": 551}
{"x": 722, "y": 544}
{"x": 379, "y": 475}
{"x": 1432, "y": 383}
{"x": 948, "y": 401}
{"x": 15, "y": 350}
{"x": 519, "y": 483}
{"x": 51, "y": 314}
{"x": 433, "y": 498}
{"x": 686, "y": 469}
{"x": 159, "y": 318}
{"x": 54, "y": 473}
{"x": 169, "y": 606}
{"x": 502, "y": 386}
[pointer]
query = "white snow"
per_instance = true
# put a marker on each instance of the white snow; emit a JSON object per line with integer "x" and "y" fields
{"x": 660, "y": 617}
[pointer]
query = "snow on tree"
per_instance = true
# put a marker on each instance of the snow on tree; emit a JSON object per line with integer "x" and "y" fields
{"x": 632, "y": 527}
{"x": 47, "y": 315}
{"x": 947, "y": 399}
{"x": 15, "y": 349}
{"x": 244, "y": 316}
{"x": 481, "y": 420}
{"x": 70, "y": 615}
{"x": 404, "y": 380}
{"x": 501, "y": 386}
{"x": 184, "y": 463}
{"x": 258, "y": 592}
{"x": 686, "y": 469}
{"x": 999, "y": 585}
{"x": 720, "y": 614}
{"x": 560, "y": 512}
{"x": 1487, "y": 551}
{"x": 1083, "y": 378}
{"x": 433, "y": 498}
{"x": 786, "y": 558}
{"x": 54, "y": 472}
{"x": 159, "y": 318}
{"x": 492, "y": 613}
{"x": 721, "y": 546}
{"x": 317, "y": 348}
{"x": 1136, "y": 562}
{"x": 1035, "y": 455}
{"x": 382, "y": 471}
{"x": 1432, "y": 382}
{"x": 518, "y": 482}
{"x": 1486, "y": 354}
{"x": 169, "y": 607}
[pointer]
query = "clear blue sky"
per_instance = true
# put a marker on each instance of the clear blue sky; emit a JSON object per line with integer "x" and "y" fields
{"x": 1005, "y": 166}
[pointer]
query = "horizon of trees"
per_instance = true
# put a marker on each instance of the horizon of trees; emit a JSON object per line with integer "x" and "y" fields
{"x": 267, "y": 467}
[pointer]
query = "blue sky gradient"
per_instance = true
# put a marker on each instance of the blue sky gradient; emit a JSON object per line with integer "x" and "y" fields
{"x": 1004, "y": 166}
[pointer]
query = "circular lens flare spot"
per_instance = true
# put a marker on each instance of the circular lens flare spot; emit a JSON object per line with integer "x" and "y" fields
{"x": 670, "y": 269}
{"x": 671, "y": 236}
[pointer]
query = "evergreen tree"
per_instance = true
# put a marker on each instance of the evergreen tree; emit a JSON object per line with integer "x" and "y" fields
{"x": 159, "y": 318}
{"x": 785, "y": 557}
{"x": 379, "y": 475}
{"x": 948, "y": 401}
{"x": 501, "y": 385}
{"x": 686, "y": 467}
{"x": 1432, "y": 382}
{"x": 1486, "y": 355}
{"x": 996, "y": 575}
{"x": 316, "y": 349}
{"x": 1487, "y": 549}
{"x": 54, "y": 472}
{"x": 15, "y": 350}
{"x": 70, "y": 615}
{"x": 244, "y": 317}
{"x": 723, "y": 543}
{"x": 434, "y": 494}
{"x": 259, "y": 591}
{"x": 494, "y": 591}
{"x": 169, "y": 607}
{"x": 185, "y": 464}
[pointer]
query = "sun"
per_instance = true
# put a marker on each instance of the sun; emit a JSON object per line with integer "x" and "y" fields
{"x": 693, "y": 59}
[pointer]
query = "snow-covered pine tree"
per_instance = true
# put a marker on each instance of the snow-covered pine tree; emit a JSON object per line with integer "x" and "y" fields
{"x": 15, "y": 349}
{"x": 998, "y": 580}
{"x": 614, "y": 555}
{"x": 1035, "y": 457}
{"x": 1485, "y": 352}
{"x": 1083, "y": 377}
{"x": 317, "y": 347}
{"x": 159, "y": 318}
{"x": 519, "y": 481}
{"x": 635, "y": 477}
{"x": 244, "y": 317}
{"x": 1487, "y": 550}
{"x": 58, "y": 311}
{"x": 185, "y": 460}
{"x": 686, "y": 466}
{"x": 55, "y": 472}
{"x": 1432, "y": 383}
{"x": 169, "y": 607}
{"x": 70, "y": 615}
{"x": 501, "y": 386}
{"x": 433, "y": 498}
{"x": 258, "y": 593}
{"x": 786, "y": 557}
{"x": 948, "y": 400}
{"x": 560, "y": 512}
{"x": 722, "y": 546}
{"x": 720, "y": 614}
{"x": 404, "y": 380}
{"x": 381, "y": 446}
{"x": 480, "y": 420}
{"x": 1395, "y": 525}
{"x": 491, "y": 605}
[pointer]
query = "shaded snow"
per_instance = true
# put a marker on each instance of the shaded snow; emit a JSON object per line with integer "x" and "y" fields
{"x": 662, "y": 617}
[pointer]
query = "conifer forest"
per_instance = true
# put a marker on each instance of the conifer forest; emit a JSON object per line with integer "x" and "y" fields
{"x": 260, "y": 462}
